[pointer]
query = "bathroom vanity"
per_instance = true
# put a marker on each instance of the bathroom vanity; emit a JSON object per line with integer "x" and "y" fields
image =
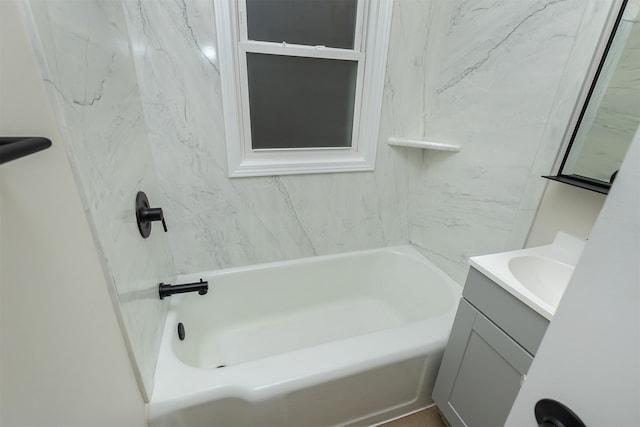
{"x": 507, "y": 303}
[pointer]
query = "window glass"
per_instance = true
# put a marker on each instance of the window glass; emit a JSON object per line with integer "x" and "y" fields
{"x": 298, "y": 102}
{"x": 328, "y": 23}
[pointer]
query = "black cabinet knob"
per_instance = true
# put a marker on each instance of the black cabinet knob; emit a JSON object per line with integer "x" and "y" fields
{"x": 145, "y": 215}
{"x": 551, "y": 413}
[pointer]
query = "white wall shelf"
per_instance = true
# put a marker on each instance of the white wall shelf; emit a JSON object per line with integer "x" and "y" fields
{"x": 426, "y": 145}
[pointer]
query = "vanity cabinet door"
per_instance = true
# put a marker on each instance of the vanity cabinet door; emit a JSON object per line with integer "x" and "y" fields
{"x": 481, "y": 373}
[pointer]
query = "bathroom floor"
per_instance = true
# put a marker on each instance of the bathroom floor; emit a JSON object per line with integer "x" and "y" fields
{"x": 429, "y": 417}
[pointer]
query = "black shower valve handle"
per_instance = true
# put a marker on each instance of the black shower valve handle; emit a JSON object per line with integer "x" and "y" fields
{"x": 153, "y": 214}
{"x": 145, "y": 215}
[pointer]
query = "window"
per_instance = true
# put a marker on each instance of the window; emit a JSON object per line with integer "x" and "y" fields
{"x": 302, "y": 83}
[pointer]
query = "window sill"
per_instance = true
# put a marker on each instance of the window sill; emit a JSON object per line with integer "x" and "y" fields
{"x": 301, "y": 162}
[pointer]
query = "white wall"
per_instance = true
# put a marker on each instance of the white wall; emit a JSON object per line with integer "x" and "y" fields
{"x": 565, "y": 208}
{"x": 63, "y": 359}
{"x": 87, "y": 64}
{"x": 590, "y": 356}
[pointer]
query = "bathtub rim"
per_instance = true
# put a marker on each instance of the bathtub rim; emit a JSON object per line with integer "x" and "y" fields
{"x": 408, "y": 251}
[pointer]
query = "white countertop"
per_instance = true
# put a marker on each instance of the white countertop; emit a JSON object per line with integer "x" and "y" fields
{"x": 564, "y": 253}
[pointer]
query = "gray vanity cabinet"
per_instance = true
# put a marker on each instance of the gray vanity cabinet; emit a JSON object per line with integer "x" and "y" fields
{"x": 491, "y": 347}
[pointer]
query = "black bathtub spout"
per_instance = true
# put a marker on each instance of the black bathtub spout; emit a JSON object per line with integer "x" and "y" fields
{"x": 166, "y": 290}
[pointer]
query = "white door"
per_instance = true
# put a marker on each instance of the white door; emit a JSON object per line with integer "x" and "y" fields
{"x": 590, "y": 356}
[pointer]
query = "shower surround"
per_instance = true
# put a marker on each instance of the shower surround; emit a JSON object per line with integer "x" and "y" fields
{"x": 242, "y": 221}
{"x": 483, "y": 75}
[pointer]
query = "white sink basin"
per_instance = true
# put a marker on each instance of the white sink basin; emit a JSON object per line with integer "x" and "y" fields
{"x": 536, "y": 276}
{"x": 545, "y": 277}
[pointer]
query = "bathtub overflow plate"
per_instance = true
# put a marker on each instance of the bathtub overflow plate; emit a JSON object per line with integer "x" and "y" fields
{"x": 181, "y": 331}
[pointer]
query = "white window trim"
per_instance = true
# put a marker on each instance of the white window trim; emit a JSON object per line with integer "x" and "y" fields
{"x": 243, "y": 160}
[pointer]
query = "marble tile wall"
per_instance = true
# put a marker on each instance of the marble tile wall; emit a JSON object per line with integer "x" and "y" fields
{"x": 86, "y": 62}
{"x": 221, "y": 222}
{"x": 499, "y": 74}
{"x": 482, "y": 74}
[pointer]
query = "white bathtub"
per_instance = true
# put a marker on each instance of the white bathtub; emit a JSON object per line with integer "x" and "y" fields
{"x": 355, "y": 338}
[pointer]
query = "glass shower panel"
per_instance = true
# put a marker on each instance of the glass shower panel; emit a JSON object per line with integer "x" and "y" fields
{"x": 299, "y": 102}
